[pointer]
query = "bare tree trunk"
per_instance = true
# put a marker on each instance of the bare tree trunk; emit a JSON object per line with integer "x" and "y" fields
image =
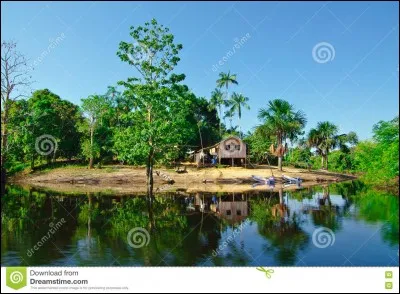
{"x": 326, "y": 162}
{"x": 220, "y": 117}
{"x": 150, "y": 161}
{"x": 201, "y": 142}
{"x": 226, "y": 99}
{"x": 240, "y": 129}
{"x": 91, "y": 148}
{"x": 149, "y": 173}
{"x": 4, "y": 135}
{"x": 279, "y": 155}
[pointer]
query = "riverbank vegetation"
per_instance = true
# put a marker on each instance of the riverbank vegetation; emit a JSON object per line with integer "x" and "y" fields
{"x": 153, "y": 118}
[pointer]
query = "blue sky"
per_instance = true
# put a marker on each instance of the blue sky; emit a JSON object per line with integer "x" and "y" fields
{"x": 355, "y": 85}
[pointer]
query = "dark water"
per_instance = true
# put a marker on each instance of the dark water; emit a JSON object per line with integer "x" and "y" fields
{"x": 345, "y": 224}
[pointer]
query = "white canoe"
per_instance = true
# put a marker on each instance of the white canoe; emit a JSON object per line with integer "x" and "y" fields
{"x": 263, "y": 180}
{"x": 291, "y": 180}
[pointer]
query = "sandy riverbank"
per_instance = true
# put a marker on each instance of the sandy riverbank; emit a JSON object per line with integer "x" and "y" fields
{"x": 123, "y": 179}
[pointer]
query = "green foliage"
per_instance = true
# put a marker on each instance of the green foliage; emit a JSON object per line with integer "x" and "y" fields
{"x": 45, "y": 113}
{"x": 316, "y": 162}
{"x": 378, "y": 159}
{"x": 341, "y": 161}
{"x": 226, "y": 79}
{"x": 96, "y": 128}
{"x": 258, "y": 144}
{"x": 166, "y": 116}
{"x": 90, "y": 150}
{"x": 155, "y": 129}
{"x": 282, "y": 121}
{"x": 325, "y": 138}
{"x": 299, "y": 156}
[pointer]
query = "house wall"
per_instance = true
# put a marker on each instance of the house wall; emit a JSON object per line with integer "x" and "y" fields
{"x": 232, "y": 152}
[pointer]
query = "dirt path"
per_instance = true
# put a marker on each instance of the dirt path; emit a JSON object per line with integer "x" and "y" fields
{"x": 132, "y": 180}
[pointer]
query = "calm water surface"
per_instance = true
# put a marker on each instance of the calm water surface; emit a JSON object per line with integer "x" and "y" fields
{"x": 343, "y": 224}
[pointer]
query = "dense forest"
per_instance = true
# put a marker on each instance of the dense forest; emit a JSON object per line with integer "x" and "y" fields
{"x": 154, "y": 119}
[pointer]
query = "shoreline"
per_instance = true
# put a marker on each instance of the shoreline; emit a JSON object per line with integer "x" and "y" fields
{"x": 126, "y": 179}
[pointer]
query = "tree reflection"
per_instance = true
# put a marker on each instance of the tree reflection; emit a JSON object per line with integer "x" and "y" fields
{"x": 376, "y": 206}
{"x": 326, "y": 214}
{"x": 280, "y": 227}
{"x": 97, "y": 225}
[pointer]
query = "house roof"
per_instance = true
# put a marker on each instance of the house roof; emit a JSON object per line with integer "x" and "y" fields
{"x": 223, "y": 140}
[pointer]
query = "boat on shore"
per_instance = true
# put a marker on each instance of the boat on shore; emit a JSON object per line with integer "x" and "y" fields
{"x": 262, "y": 180}
{"x": 291, "y": 180}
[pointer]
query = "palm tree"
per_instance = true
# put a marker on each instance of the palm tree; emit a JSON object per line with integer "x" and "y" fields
{"x": 225, "y": 80}
{"x": 283, "y": 122}
{"x": 325, "y": 138}
{"x": 236, "y": 103}
{"x": 216, "y": 102}
{"x": 229, "y": 114}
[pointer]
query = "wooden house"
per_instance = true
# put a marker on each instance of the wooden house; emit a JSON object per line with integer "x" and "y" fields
{"x": 231, "y": 150}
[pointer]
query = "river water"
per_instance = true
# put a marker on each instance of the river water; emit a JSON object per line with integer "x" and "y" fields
{"x": 343, "y": 224}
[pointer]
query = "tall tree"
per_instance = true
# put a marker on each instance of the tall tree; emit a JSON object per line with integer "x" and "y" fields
{"x": 325, "y": 137}
{"x": 216, "y": 102}
{"x": 229, "y": 114}
{"x": 282, "y": 122}
{"x": 236, "y": 104}
{"x": 225, "y": 80}
{"x": 15, "y": 79}
{"x": 43, "y": 127}
{"x": 53, "y": 120}
{"x": 154, "y": 54}
{"x": 94, "y": 107}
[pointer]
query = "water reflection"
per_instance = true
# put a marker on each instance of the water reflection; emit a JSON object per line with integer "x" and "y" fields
{"x": 188, "y": 229}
